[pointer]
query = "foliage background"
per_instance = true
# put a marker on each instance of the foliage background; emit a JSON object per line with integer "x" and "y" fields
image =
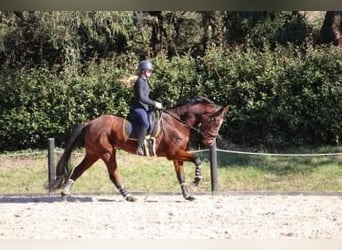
{"x": 62, "y": 68}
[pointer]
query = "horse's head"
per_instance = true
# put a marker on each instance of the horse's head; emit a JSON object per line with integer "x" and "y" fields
{"x": 202, "y": 112}
{"x": 210, "y": 124}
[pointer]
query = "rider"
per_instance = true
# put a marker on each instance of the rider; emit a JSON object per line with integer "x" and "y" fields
{"x": 142, "y": 102}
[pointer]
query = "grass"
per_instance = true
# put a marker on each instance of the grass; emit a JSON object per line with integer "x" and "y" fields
{"x": 278, "y": 173}
{"x": 27, "y": 174}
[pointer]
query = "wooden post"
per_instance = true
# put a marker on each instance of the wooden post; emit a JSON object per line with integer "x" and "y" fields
{"x": 51, "y": 160}
{"x": 213, "y": 168}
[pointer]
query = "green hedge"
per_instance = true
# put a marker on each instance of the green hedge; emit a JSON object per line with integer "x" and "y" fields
{"x": 37, "y": 104}
{"x": 278, "y": 97}
{"x": 281, "y": 97}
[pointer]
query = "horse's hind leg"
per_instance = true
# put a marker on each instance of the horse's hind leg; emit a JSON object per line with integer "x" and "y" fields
{"x": 87, "y": 161}
{"x": 110, "y": 160}
{"x": 181, "y": 179}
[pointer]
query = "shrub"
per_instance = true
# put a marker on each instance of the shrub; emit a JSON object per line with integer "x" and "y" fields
{"x": 279, "y": 96}
{"x": 37, "y": 104}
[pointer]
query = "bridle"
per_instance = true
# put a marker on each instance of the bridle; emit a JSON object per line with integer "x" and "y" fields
{"x": 210, "y": 134}
{"x": 192, "y": 127}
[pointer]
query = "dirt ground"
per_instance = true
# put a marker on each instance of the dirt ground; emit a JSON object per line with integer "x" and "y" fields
{"x": 158, "y": 216}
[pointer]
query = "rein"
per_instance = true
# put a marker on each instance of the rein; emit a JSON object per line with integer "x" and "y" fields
{"x": 191, "y": 127}
{"x": 181, "y": 121}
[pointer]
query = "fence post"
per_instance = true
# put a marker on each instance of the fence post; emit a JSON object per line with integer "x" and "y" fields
{"x": 213, "y": 168}
{"x": 51, "y": 160}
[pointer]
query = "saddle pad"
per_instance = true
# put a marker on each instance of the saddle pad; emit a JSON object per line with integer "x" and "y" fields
{"x": 130, "y": 130}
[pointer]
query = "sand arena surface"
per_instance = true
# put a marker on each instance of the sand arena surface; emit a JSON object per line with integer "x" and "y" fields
{"x": 170, "y": 217}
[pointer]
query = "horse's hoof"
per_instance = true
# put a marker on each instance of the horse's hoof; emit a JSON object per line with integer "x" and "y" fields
{"x": 194, "y": 188}
{"x": 130, "y": 198}
{"x": 190, "y": 198}
{"x": 64, "y": 196}
{"x": 196, "y": 181}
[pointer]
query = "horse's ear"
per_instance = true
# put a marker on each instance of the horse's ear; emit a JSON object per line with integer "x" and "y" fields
{"x": 223, "y": 110}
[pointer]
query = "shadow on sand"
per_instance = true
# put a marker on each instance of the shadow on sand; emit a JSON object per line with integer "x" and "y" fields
{"x": 55, "y": 198}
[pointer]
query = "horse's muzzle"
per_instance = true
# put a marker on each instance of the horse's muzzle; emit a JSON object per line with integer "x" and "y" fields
{"x": 209, "y": 139}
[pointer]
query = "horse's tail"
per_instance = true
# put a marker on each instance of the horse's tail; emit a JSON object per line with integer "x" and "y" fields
{"x": 62, "y": 170}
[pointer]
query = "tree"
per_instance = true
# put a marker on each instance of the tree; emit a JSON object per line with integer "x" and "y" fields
{"x": 62, "y": 39}
{"x": 213, "y": 28}
{"x": 170, "y": 30}
{"x": 331, "y": 31}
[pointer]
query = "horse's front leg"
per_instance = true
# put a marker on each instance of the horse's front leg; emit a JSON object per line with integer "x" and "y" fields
{"x": 181, "y": 179}
{"x": 198, "y": 171}
{"x": 187, "y": 156}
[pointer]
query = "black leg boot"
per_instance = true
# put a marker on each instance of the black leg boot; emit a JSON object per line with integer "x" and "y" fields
{"x": 141, "y": 138}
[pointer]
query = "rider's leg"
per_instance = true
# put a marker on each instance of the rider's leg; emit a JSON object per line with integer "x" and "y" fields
{"x": 141, "y": 114}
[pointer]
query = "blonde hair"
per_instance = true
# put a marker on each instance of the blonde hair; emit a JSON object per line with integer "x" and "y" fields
{"x": 128, "y": 82}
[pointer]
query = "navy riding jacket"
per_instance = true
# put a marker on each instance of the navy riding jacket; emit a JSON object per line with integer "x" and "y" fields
{"x": 141, "y": 94}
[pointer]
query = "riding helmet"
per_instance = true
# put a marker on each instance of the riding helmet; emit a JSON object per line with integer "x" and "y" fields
{"x": 145, "y": 65}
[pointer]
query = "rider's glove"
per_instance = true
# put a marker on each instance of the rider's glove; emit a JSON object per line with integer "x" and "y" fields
{"x": 158, "y": 105}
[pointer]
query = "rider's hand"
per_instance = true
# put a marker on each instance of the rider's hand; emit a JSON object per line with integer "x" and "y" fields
{"x": 158, "y": 105}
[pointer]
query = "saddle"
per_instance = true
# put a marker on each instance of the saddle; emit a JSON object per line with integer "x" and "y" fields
{"x": 131, "y": 129}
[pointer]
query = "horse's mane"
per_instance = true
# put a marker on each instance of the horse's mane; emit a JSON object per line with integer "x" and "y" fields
{"x": 194, "y": 100}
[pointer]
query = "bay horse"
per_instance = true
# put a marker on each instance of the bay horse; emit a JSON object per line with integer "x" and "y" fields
{"x": 102, "y": 136}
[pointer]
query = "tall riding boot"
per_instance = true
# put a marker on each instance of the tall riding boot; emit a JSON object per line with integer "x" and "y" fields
{"x": 141, "y": 138}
